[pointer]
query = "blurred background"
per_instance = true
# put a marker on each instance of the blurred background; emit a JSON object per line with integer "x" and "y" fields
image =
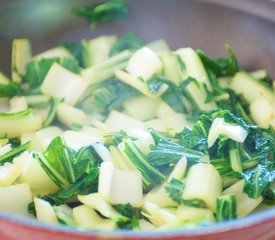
{"x": 248, "y": 25}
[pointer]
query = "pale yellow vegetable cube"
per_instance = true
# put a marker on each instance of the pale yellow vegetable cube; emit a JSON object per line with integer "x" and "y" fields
{"x": 15, "y": 199}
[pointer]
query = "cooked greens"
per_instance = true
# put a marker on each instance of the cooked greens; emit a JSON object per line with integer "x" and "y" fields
{"x": 113, "y": 133}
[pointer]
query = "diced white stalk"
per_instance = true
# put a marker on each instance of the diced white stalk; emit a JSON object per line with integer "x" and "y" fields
{"x": 176, "y": 122}
{"x": 195, "y": 69}
{"x": 190, "y": 217}
{"x": 18, "y": 104}
{"x": 44, "y": 136}
{"x": 135, "y": 107}
{"x": 230, "y": 130}
{"x": 4, "y": 149}
{"x": 21, "y": 55}
{"x": 71, "y": 116}
{"x": 117, "y": 121}
{"x": 144, "y": 63}
{"x": 4, "y": 104}
{"x": 106, "y": 69}
{"x": 119, "y": 161}
{"x": 79, "y": 139}
{"x": 171, "y": 68}
{"x": 259, "y": 74}
{"x": 37, "y": 100}
{"x": 164, "y": 109}
{"x": 3, "y": 141}
{"x": 103, "y": 152}
{"x": 9, "y": 173}
{"x": 99, "y": 134}
{"x": 54, "y": 52}
{"x": 193, "y": 66}
{"x": 160, "y": 197}
{"x": 159, "y": 46}
{"x": 42, "y": 112}
{"x": 94, "y": 116}
{"x": 30, "y": 136}
{"x": 245, "y": 204}
{"x": 15, "y": 199}
{"x": 44, "y": 211}
{"x": 225, "y": 82}
{"x": 62, "y": 83}
{"x": 88, "y": 218}
{"x": 97, "y": 202}
{"x": 191, "y": 213}
{"x": 34, "y": 175}
{"x": 64, "y": 213}
{"x": 103, "y": 127}
{"x": 146, "y": 225}
{"x": 243, "y": 83}
{"x": 114, "y": 183}
{"x": 179, "y": 170}
{"x": 203, "y": 182}
{"x": 157, "y": 124}
{"x": 99, "y": 48}
{"x": 14, "y": 124}
{"x": 158, "y": 216}
{"x": 143, "y": 139}
{"x": 138, "y": 84}
{"x": 261, "y": 111}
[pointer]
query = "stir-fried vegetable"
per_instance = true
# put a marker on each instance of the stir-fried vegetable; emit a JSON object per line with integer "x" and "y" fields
{"x": 112, "y": 133}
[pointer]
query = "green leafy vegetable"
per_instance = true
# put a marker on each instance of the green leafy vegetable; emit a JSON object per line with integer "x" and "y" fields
{"x": 104, "y": 12}
{"x": 8, "y": 90}
{"x": 10, "y": 155}
{"x": 226, "y": 208}
{"x": 109, "y": 95}
{"x": 151, "y": 175}
{"x": 133, "y": 214}
{"x": 173, "y": 96}
{"x": 167, "y": 152}
{"x": 80, "y": 50}
{"x": 129, "y": 41}
{"x": 223, "y": 66}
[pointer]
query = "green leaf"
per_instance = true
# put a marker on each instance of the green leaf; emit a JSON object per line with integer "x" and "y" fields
{"x": 107, "y": 96}
{"x": 129, "y": 41}
{"x": 103, "y": 12}
{"x": 9, "y": 90}
{"x": 226, "y": 208}
{"x": 58, "y": 156}
{"x": 14, "y": 152}
{"x": 167, "y": 152}
{"x": 173, "y": 96}
{"x": 86, "y": 184}
{"x": 134, "y": 214}
{"x": 80, "y": 50}
{"x": 223, "y": 66}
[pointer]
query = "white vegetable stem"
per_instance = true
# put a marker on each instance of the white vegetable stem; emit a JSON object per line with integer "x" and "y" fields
{"x": 120, "y": 186}
{"x": 245, "y": 204}
{"x": 232, "y": 131}
{"x": 203, "y": 182}
{"x": 144, "y": 64}
{"x": 44, "y": 211}
{"x": 62, "y": 83}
